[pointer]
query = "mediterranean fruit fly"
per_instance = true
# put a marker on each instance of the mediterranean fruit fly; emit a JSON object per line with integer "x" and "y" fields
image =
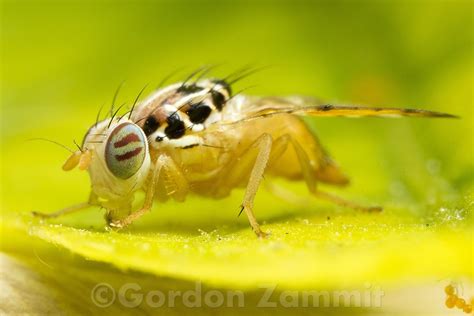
{"x": 198, "y": 137}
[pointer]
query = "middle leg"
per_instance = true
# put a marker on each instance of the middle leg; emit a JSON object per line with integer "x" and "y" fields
{"x": 264, "y": 144}
{"x": 254, "y": 161}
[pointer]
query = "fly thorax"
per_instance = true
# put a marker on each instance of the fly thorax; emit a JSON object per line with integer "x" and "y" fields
{"x": 176, "y": 117}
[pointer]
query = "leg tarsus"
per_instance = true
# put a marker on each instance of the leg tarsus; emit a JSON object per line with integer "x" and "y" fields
{"x": 93, "y": 201}
{"x": 253, "y": 222}
{"x": 261, "y": 234}
{"x": 64, "y": 211}
{"x": 345, "y": 203}
{"x": 119, "y": 224}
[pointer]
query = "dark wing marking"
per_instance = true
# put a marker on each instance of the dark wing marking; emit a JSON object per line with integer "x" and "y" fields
{"x": 359, "y": 111}
{"x": 268, "y": 106}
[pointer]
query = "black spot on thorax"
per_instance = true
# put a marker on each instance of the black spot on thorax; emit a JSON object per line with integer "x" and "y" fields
{"x": 150, "y": 125}
{"x": 218, "y": 99}
{"x": 175, "y": 128}
{"x": 198, "y": 113}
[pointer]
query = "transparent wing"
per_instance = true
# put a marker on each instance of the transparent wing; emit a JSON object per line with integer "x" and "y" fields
{"x": 259, "y": 107}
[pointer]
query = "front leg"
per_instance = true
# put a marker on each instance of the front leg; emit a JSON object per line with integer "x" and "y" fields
{"x": 70, "y": 209}
{"x": 164, "y": 165}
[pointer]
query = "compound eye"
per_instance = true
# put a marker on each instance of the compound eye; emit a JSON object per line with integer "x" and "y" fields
{"x": 125, "y": 150}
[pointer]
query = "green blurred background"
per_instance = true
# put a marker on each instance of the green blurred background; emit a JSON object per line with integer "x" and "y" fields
{"x": 61, "y": 60}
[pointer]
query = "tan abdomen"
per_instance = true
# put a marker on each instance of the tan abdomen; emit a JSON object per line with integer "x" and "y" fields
{"x": 211, "y": 171}
{"x": 287, "y": 164}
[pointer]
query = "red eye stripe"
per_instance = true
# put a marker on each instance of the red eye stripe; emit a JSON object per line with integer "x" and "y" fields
{"x": 129, "y": 154}
{"x": 126, "y": 150}
{"x": 130, "y": 138}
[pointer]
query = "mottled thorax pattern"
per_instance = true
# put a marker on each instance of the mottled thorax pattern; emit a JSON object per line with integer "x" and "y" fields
{"x": 174, "y": 115}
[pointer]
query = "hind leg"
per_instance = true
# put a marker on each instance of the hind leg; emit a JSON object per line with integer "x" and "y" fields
{"x": 345, "y": 203}
{"x": 310, "y": 178}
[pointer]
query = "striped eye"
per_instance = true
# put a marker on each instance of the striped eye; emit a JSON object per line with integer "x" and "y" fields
{"x": 125, "y": 150}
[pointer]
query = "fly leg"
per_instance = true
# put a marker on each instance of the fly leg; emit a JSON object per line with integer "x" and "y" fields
{"x": 279, "y": 147}
{"x": 264, "y": 146}
{"x": 345, "y": 203}
{"x": 68, "y": 210}
{"x": 64, "y": 211}
{"x": 149, "y": 195}
{"x": 310, "y": 179}
{"x": 164, "y": 165}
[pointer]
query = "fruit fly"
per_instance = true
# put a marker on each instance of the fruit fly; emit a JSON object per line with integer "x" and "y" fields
{"x": 198, "y": 137}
